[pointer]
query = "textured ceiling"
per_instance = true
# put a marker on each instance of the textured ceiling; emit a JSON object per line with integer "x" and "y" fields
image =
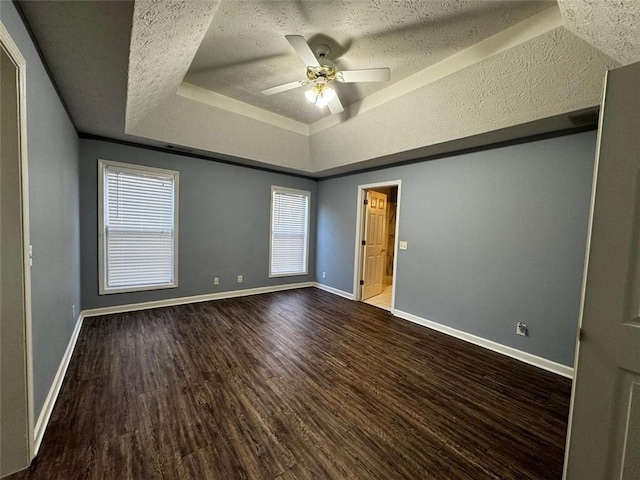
{"x": 119, "y": 67}
{"x": 244, "y": 50}
{"x": 86, "y": 45}
{"x": 541, "y": 78}
{"x": 162, "y": 40}
{"x": 610, "y": 26}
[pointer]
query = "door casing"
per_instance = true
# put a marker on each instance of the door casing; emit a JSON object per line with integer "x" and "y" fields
{"x": 357, "y": 267}
{"x": 13, "y": 52}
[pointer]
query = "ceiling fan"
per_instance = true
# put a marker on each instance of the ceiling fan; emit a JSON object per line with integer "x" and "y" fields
{"x": 321, "y": 72}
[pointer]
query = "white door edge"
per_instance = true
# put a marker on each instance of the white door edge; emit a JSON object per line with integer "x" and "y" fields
{"x": 357, "y": 264}
{"x": 19, "y": 61}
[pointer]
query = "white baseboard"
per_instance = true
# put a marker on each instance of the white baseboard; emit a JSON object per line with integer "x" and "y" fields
{"x": 47, "y": 409}
{"x": 490, "y": 345}
{"x": 52, "y": 396}
{"x": 335, "y": 291}
{"x": 170, "y": 302}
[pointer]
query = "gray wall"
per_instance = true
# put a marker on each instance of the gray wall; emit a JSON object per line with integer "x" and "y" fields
{"x": 223, "y": 223}
{"x": 495, "y": 237}
{"x": 54, "y": 213}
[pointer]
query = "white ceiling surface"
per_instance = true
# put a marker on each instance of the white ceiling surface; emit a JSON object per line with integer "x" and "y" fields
{"x": 518, "y": 81}
{"x": 244, "y": 50}
{"x": 610, "y": 26}
{"x": 162, "y": 42}
{"x": 547, "y": 76}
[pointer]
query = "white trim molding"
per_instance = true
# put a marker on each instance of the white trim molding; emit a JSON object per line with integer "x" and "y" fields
{"x": 170, "y": 302}
{"x": 52, "y": 396}
{"x": 106, "y": 168}
{"x": 214, "y": 99}
{"x": 16, "y": 57}
{"x": 288, "y": 215}
{"x": 360, "y": 220}
{"x": 525, "y": 357}
{"x": 517, "y": 34}
{"x": 335, "y": 291}
{"x": 521, "y": 32}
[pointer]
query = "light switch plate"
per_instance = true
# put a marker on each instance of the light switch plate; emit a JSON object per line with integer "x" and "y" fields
{"x": 403, "y": 245}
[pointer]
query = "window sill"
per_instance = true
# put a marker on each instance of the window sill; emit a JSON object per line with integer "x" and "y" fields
{"x": 110, "y": 291}
{"x": 295, "y": 274}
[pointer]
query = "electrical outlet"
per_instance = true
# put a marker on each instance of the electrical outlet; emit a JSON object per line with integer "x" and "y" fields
{"x": 239, "y": 278}
{"x": 73, "y": 311}
{"x": 216, "y": 281}
{"x": 521, "y": 329}
{"x": 403, "y": 245}
{"x": 324, "y": 274}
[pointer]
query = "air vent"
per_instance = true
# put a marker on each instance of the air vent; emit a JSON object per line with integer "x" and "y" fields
{"x": 585, "y": 118}
{"x": 178, "y": 149}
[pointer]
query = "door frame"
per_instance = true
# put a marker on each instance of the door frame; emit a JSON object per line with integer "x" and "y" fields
{"x": 7, "y": 42}
{"x": 357, "y": 265}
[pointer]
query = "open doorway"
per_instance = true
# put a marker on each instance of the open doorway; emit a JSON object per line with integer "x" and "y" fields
{"x": 376, "y": 244}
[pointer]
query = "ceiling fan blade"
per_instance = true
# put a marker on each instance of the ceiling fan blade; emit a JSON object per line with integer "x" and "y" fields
{"x": 370, "y": 75}
{"x": 282, "y": 88}
{"x": 303, "y": 49}
{"x": 335, "y": 105}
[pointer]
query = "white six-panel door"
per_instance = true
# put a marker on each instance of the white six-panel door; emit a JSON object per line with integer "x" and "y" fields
{"x": 375, "y": 246}
{"x": 604, "y": 430}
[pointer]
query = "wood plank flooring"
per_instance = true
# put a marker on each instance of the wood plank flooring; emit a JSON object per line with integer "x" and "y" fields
{"x": 296, "y": 385}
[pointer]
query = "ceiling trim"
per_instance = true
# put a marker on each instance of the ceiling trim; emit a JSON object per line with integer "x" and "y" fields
{"x": 164, "y": 39}
{"x": 522, "y": 32}
{"x": 214, "y": 99}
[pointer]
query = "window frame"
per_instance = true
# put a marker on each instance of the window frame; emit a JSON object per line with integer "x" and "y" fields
{"x": 102, "y": 250}
{"x": 295, "y": 191}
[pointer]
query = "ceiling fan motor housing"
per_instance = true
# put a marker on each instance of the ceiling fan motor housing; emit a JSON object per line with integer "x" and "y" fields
{"x": 327, "y": 70}
{"x": 321, "y": 72}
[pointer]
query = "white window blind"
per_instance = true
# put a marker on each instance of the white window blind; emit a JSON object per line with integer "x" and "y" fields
{"x": 138, "y": 228}
{"x": 289, "y": 231}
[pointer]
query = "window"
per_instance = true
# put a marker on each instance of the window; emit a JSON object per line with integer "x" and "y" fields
{"x": 289, "y": 232}
{"x": 138, "y": 235}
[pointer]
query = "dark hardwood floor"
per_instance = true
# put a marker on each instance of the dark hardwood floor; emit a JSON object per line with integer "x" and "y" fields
{"x": 296, "y": 385}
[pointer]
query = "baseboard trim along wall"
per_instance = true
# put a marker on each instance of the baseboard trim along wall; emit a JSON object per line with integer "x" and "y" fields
{"x": 333, "y": 290}
{"x": 170, "y": 302}
{"x": 52, "y": 396}
{"x": 525, "y": 357}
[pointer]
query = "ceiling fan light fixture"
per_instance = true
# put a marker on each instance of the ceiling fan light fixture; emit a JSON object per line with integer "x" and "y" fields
{"x": 321, "y": 72}
{"x": 320, "y": 94}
